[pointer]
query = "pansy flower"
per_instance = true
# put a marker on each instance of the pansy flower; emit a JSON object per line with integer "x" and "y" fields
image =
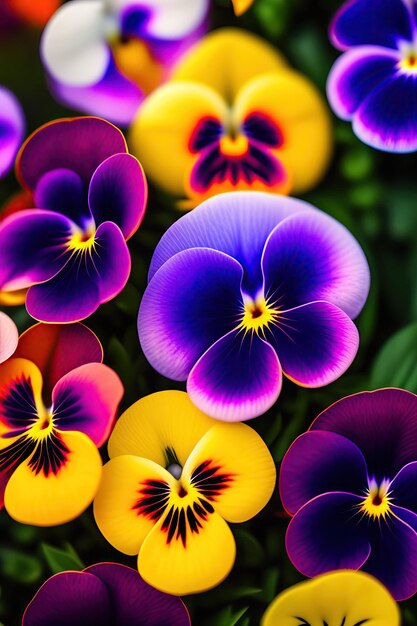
{"x": 245, "y": 287}
{"x": 105, "y": 56}
{"x": 12, "y": 129}
{"x": 8, "y": 337}
{"x": 338, "y": 599}
{"x": 251, "y": 123}
{"x": 106, "y": 594}
{"x": 374, "y": 83}
{"x": 90, "y": 197}
{"x": 351, "y": 484}
{"x": 174, "y": 479}
{"x": 57, "y": 406}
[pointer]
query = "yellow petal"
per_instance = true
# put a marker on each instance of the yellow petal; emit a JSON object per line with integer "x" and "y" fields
{"x": 202, "y": 563}
{"x": 354, "y": 597}
{"x": 241, "y": 6}
{"x": 11, "y": 372}
{"x": 41, "y": 500}
{"x": 300, "y": 112}
{"x": 12, "y": 298}
{"x": 161, "y": 132}
{"x": 226, "y": 59}
{"x": 245, "y": 473}
{"x": 135, "y": 61}
{"x": 162, "y": 421}
{"x": 121, "y": 523}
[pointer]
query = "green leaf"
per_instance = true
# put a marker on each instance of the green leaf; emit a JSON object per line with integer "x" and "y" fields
{"x": 19, "y": 567}
{"x": 396, "y": 362}
{"x": 61, "y": 560}
{"x": 249, "y": 550}
{"x": 227, "y": 617}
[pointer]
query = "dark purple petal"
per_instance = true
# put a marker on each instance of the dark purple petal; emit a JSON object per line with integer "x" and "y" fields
{"x": 33, "y": 247}
{"x": 383, "y": 424}
{"x": 238, "y": 378}
{"x": 192, "y": 301}
{"x": 91, "y": 277}
{"x": 327, "y": 534}
{"x": 403, "y": 488}
{"x": 63, "y": 191}
{"x": 316, "y": 343}
{"x": 378, "y": 22}
{"x": 387, "y": 118}
{"x": 118, "y": 193}
{"x": 134, "y": 602}
{"x": 12, "y": 128}
{"x": 134, "y": 20}
{"x": 236, "y": 223}
{"x": 356, "y": 74}
{"x": 320, "y": 462}
{"x": 311, "y": 256}
{"x": 78, "y": 144}
{"x": 394, "y": 554}
{"x": 70, "y": 598}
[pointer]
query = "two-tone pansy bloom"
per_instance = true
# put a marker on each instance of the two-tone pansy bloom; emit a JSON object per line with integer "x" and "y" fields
{"x": 351, "y": 484}
{"x": 90, "y": 197}
{"x": 57, "y": 406}
{"x": 246, "y": 287}
{"x": 251, "y": 122}
{"x": 337, "y": 599}
{"x": 374, "y": 83}
{"x": 106, "y": 594}
{"x": 105, "y": 56}
{"x": 12, "y": 129}
{"x": 175, "y": 478}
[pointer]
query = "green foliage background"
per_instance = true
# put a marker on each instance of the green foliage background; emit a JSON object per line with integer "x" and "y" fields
{"x": 372, "y": 193}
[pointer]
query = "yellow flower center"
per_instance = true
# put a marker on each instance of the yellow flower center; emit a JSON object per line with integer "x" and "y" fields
{"x": 258, "y": 316}
{"x": 377, "y": 503}
{"x": 82, "y": 241}
{"x": 234, "y": 146}
{"x": 408, "y": 62}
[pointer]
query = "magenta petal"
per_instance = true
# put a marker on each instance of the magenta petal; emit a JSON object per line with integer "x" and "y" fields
{"x": 320, "y": 462}
{"x": 9, "y": 337}
{"x": 192, "y": 301}
{"x": 12, "y": 128}
{"x": 118, "y": 193}
{"x": 78, "y": 144}
{"x": 327, "y": 534}
{"x": 238, "y": 378}
{"x": 310, "y": 256}
{"x": 86, "y": 400}
{"x": 134, "y": 602}
{"x": 91, "y": 277}
{"x": 33, "y": 247}
{"x": 316, "y": 343}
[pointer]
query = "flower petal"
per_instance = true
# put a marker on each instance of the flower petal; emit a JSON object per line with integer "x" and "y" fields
{"x": 316, "y": 343}
{"x": 33, "y": 247}
{"x": 232, "y": 467}
{"x": 320, "y": 462}
{"x": 238, "y": 378}
{"x": 393, "y": 555}
{"x": 134, "y": 602}
{"x": 49, "y": 500}
{"x": 169, "y": 21}
{"x": 115, "y": 507}
{"x": 192, "y": 301}
{"x": 356, "y": 74}
{"x": 378, "y": 22}
{"x": 20, "y": 397}
{"x": 70, "y": 598}
{"x": 311, "y": 256}
{"x": 118, "y": 193}
{"x": 87, "y": 142}
{"x": 383, "y": 424}
{"x": 57, "y": 349}
{"x": 404, "y": 487}
{"x": 12, "y": 128}
{"x": 9, "y": 337}
{"x": 91, "y": 277}
{"x": 86, "y": 400}
{"x": 74, "y": 46}
{"x": 179, "y": 569}
{"x": 326, "y": 534}
{"x": 179, "y": 427}
{"x": 63, "y": 191}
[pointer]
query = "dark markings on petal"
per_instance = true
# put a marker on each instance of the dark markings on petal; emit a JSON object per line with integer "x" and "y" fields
{"x": 48, "y": 455}
{"x": 302, "y": 621}
{"x": 170, "y": 457}
{"x": 207, "y": 132}
{"x": 179, "y": 522}
{"x": 210, "y": 481}
{"x": 260, "y": 127}
{"x": 17, "y": 405}
{"x": 153, "y": 500}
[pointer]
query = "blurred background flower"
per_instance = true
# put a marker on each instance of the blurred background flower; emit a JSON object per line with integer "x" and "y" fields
{"x": 8, "y": 337}
{"x": 12, "y": 128}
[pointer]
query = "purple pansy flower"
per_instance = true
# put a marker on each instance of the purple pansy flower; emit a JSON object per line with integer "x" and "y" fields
{"x": 106, "y": 594}
{"x": 246, "y": 286}
{"x": 90, "y": 197}
{"x": 374, "y": 83}
{"x": 351, "y": 484}
{"x": 12, "y": 129}
{"x": 104, "y": 56}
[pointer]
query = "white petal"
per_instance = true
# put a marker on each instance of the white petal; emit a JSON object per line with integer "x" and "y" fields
{"x": 8, "y": 337}
{"x": 74, "y": 43}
